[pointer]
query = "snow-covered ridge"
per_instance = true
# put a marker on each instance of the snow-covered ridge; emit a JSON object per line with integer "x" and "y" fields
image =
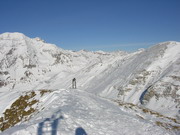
{"x": 148, "y": 78}
{"x": 66, "y": 111}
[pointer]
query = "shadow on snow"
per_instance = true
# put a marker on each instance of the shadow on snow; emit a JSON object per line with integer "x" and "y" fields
{"x": 50, "y": 126}
{"x": 80, "y": 131}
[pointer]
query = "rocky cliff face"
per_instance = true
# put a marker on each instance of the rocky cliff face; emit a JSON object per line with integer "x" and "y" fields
{"x": 150, "y": 78}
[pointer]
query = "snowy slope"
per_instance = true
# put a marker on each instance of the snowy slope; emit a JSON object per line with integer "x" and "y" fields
{"x": 147, "y": 78}
{"x": 129, "y": 77}
{"x": 72, "y": 109}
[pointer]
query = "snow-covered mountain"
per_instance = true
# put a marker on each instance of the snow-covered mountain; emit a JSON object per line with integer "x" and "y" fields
{"x": 25, "y": 61}
{"x": 150, "y": 77}
{"x": 147, "y": 78}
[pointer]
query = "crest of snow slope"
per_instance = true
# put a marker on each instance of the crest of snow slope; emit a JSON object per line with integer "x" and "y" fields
{"x": 67, "y": 110}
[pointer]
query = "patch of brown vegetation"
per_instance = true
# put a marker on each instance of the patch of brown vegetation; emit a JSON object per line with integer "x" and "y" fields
{"x": 167, "y": 126}
{"x": 168, "y": 122}
{"x": 43, "y": 91}
{"x": 20, "y": 110}
{"x": 145, "y": 110}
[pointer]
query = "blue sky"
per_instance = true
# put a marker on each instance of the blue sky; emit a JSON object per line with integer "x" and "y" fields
{"x": 94, "y": 24}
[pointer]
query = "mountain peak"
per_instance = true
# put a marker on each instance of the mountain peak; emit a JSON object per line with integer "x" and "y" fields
{"x": 169, "y": 43}
{"x": 14, "y": 35}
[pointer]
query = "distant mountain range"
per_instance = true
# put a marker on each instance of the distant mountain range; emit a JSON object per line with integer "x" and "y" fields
{"x": 148, "y": 77}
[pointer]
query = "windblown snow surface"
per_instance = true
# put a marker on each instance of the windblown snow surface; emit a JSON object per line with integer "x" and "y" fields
{"x": 117, "y": 93}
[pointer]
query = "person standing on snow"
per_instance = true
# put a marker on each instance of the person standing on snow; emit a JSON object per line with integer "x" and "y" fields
{"x": 74, "y": 83}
